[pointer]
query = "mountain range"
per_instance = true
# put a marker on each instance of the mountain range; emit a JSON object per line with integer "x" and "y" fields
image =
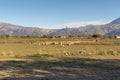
{"x": 112, "y": 28}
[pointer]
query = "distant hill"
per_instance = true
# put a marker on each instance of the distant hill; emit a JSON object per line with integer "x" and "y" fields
{"x": 112, "y": 28}
{"x": 16, "y": 30}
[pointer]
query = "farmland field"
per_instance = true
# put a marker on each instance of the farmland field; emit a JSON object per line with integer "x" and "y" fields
{"x": 59, "y": 59}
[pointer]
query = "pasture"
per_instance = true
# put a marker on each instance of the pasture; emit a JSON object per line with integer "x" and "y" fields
{"x": 59, "y": 59}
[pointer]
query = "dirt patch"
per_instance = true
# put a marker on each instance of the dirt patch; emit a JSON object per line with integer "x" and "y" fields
{"x": 64, "y": 69}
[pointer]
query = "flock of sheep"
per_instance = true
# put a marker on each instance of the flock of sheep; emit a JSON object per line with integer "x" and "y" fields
{"x": 62, "y": 43}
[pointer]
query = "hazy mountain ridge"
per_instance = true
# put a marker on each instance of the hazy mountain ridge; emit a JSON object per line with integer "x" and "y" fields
{"x": 10, "y": 29}
{"x": 112, "y": 28}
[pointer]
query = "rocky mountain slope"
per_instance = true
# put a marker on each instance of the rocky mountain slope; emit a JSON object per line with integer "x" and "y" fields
{"x": 16, "y": 30}
{"x": 112, "y": 28}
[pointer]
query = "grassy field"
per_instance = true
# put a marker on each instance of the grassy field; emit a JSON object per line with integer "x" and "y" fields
{"x": 59, "y": 59}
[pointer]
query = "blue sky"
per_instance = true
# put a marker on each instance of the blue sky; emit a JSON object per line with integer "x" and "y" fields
{"x": 45, "y": 13}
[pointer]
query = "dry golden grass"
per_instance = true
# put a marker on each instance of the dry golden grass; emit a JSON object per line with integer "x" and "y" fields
{"x": 28, "y": 59}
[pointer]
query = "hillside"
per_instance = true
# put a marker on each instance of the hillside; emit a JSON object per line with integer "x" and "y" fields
{"x": 112, "y": 28}
{"x": 10, "y": 29}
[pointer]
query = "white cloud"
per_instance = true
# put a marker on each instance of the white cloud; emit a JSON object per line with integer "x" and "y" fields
{"x": 79, "y": 24}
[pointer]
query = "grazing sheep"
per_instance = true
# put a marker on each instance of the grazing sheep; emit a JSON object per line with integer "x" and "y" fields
{"x": 55, "y": 43}
{"x": 66, "y": 53}
{"x": 61, "y": 43}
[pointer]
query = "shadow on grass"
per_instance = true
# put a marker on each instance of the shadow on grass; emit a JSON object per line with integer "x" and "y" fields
{"x": 39, "y": 56}
{"x": 64, "y": 69}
